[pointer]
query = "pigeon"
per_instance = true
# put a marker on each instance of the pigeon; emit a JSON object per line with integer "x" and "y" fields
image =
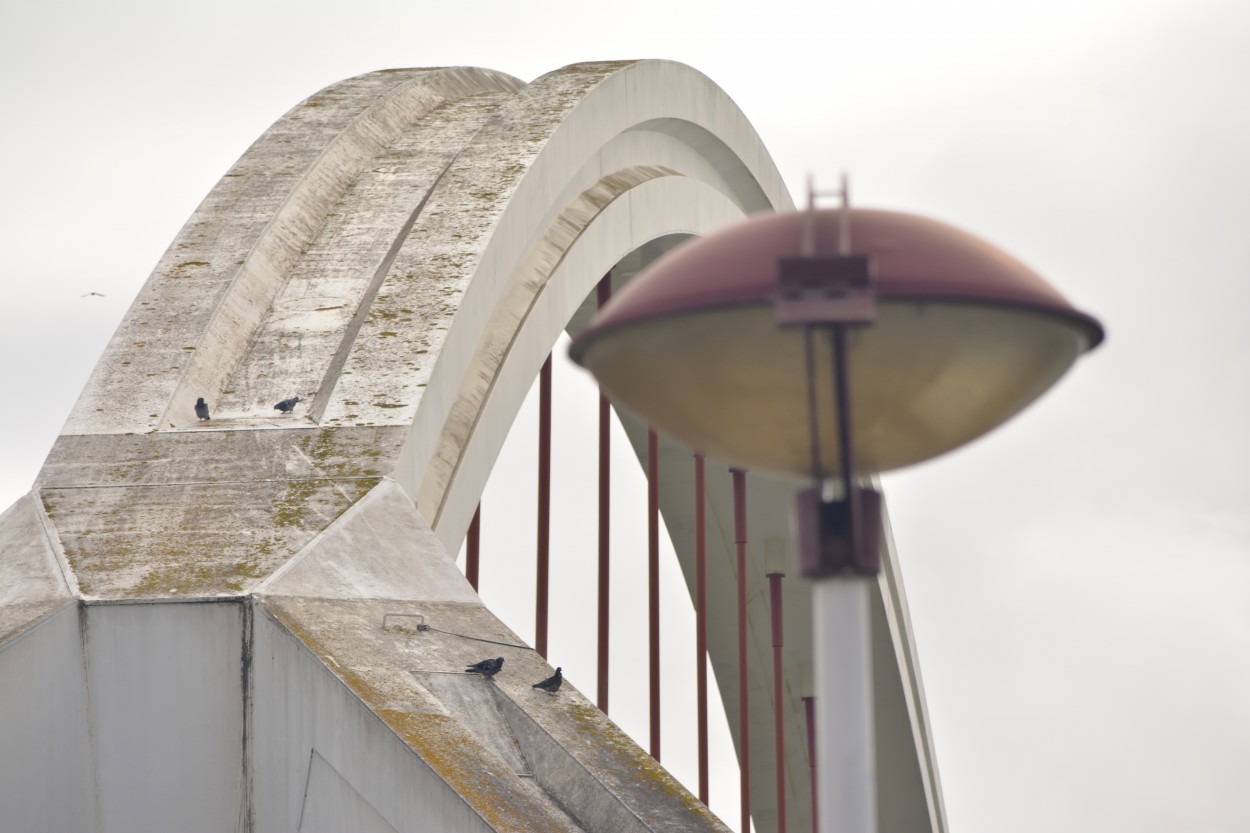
{"x": 552, "y": 684}
{"x": 201, "y": 409}
{"x": 92, "y": 294}
{"x": 286, "y": 405}
{"x": 487, "y": 667}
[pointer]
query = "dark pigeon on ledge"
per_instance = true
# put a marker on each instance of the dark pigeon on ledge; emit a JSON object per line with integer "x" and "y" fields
{"x": 552, "y": 684}
{"x": 287, "y": 405}
{"x": 487, "y": 667}
{"x": 201, "y": 409}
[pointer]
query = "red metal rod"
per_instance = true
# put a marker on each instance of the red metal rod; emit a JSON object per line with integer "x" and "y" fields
{"x": 653, "y": 583}
{"x": 744, "y": 723}
{"x": 700, "y": 618}
{"x": 603, "y": 293}
{"x": 809, "y": 706}
{"x": 544, "y": 506}
{"x": 775, "y": 608}
{"x": 471, "y": 546}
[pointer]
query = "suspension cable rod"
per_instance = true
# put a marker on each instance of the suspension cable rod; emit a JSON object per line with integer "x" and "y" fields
{"x": 775, "y": 608}
{"x": 472, "y": 547}
{"x": 653, "y": 584}
{"x": 603, "y": 293}
{"x": 744, "y": 722}
{"x": 700, "y": 618}
{"x": 544, "y": 507}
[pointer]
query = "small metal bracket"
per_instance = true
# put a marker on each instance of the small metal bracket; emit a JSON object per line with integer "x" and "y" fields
{"x": 830, "y": 289}
{"x": 824, "y": 539}
{"x": 420, "y": 617}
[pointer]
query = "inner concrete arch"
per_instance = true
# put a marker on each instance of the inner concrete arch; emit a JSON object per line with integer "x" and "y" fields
{"x": 400, "y": 250}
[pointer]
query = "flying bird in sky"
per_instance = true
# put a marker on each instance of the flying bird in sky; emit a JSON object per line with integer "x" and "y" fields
{"x": 201, "y": 409}
{"x": 90, "y": 294}
{"x": 487, "y": 667}
{"x": 287, "y": 405}
{"x": 552, "y": 684}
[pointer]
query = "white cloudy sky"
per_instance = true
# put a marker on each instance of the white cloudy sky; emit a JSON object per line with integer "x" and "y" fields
{"x": 1079, "y": 580}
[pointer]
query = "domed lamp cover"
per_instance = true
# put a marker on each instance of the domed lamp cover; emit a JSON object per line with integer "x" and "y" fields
{"x": 963, "y": 336}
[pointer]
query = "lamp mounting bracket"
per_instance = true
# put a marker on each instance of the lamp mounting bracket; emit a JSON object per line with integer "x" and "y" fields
{"x": 832, "y": 289}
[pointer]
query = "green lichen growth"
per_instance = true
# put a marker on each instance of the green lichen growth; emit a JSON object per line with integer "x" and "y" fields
{"x": 442, "y": 741}
{"x": 292, "y": 510}
{"x": 616, "y": 751}
{"x": 127, "y": 545}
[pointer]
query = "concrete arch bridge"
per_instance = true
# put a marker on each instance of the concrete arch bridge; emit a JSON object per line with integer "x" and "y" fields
{"x": 192, "y": 629}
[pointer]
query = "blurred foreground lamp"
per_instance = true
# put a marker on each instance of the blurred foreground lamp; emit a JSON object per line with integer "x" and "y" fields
{"x": 834, "y": 343}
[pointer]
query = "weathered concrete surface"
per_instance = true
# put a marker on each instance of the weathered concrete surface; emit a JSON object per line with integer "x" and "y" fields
{"x": 308, "y": 328}
{"x": 321, "y": 751}
{"x": 415, "y": 682}
{"x": 221, "y": 452}
{"x": 32, "y": 584}
{"x": 192, "y": 320}
{"x": 202, "y": 512}
{"x": 569, "y": 152}
{"x": 190, "y": 540}
{"x": 380, "y": 549}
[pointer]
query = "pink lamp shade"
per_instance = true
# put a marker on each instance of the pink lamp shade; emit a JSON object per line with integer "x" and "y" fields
{"x": 964, "y": 337}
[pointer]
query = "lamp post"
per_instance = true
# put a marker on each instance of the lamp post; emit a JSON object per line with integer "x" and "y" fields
{"x": 835, "y": 344}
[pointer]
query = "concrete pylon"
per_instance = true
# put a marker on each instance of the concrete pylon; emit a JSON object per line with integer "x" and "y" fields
{"x": 252, "y": 622}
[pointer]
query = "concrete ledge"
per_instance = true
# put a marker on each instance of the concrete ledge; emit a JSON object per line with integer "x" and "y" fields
{"x": 562, "y": 764}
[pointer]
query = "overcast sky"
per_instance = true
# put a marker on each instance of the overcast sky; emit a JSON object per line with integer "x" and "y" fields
{"x": 1079, "y": 579}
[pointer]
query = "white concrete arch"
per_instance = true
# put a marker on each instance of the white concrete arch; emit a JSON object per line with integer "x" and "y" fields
{"x": 401, "y": 251}
{"x": 588, "y": 162}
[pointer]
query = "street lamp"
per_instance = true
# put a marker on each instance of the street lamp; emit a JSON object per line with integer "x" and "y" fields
{"x": 835, "y": 344}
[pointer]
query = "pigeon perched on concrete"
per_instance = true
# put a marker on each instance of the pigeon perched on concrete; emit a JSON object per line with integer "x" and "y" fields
{"x": 286, "y": 405}
{"x": 487, "y": 667}
{"x": 201, "y": 409}
{"x": 552, "y": 684}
